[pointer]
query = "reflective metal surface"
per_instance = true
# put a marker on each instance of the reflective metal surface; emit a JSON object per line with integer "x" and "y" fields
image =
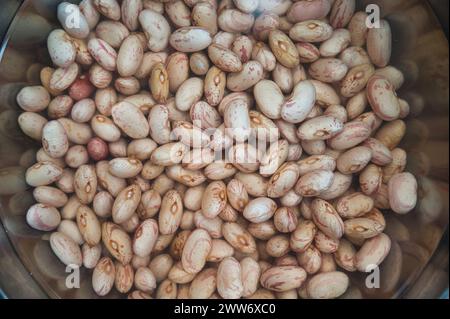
{"x": 418, "y": 264}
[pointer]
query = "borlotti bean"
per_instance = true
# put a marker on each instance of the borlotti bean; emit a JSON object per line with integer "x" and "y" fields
{"x": 204, "y": 149}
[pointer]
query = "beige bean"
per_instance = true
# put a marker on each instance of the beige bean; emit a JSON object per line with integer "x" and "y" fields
{"x": 320, "y": 128}
{"x": 313, "y": 183}
{"x": 61, "y": 48}
{"x": 145, "y": 280}
{"x": 102, "y": 204}
{"x": 160, "y": 266}
{"x": 159, "y": 125}
{"x": 170, "y": 212}
{"x": 105, "y": 99}
{"x": 326, "y": 95}
{"x": 177, "y": 244}
{"x": 50, "y": 196}
{"x": 328, "y": 70}
{"x": 212, "y": 225}
{"x": 179, "y": 13}
{"x": 353, "y": 133}
{"x": 130, "y": 10}
{"x": 237, "y": 120}
{"x": 145, "y": 237}
{"x": 311, "y": 31}
{"x": 117, "y": 241}
{"x": 345, "y": 255}
{"x": 239, "y": 238}
{"x": 204, "y": 284}
{"x": 358, "y": 29}
{"x": 196, "y": 249}
{"x": 85, "y": 183}
{"x": 402, "y": 192}
{"x": 339, "y": 41}
{"x": 190, "y": 39}
{"x": 291, "y": 199}
{"x": 127, "y": 85}
{"x": 108, "y": 8}
{"x": 156, "y": 29}
{"x": 141, "y": 148}
{"x": 354, "y": 160}
{"x": 54, "y": 139}
{"x": 354, "y": 205}
{"x": 325, "y": 244}
{"x": 177, "y": 65}
{"x": 265, "y": 23}
{"x": 224, "y": 58}
{"x": 225, "y": 39}
{"x": 327, "y": 285}
{"x": 285, "y": 220}
{"x": 235, "y": 21}
{"x": 316, "y": 162}
{"x": 189, "y": 93}
{"x": 237, "y": 194}
{"x": 126, "y": 203}
{"x": 383, "y": 99}
{"x": 381, "y": 155}
{"x": 393, "y": 75}
{"x": 112, "y": 32}
{"x": 159, "y": 83}
{"x": 308, "y": 52}
{"x": 243, "y": 47}
{"x": 362, "y": 228}
{"x": 42, "y": 174}
{"x": 77, "y": 133}
{"x": 356, "y": 105}
{"x": 303, "y": 236}
{"x": 91, "y": 255}
{"x": 220, "y": 249}
{"x": 199, "y": 63}
{"x": 372, "y": 253}
{"x": 379, "y": 44}
{"x": 67, "y": 251}
{"x": 327, "y": 219}
{"x": 130, "y": 56}
{"x": 283, "y": 278}
{"x": 283, "y": 180}
{"x": 370, "y": 179}
{"x": 390, "y": 134}
{"x": 354, "y": 56}
{"x": 356, "y": 79}
{"x": 260, "y": 210}
{"x": 88, "y": 225}
{"x": 69, "y": 210}
{"x": 124, "y": 167}
{"x": 310, "y": 260}
{"x": 43, "y": 217}
{"x": 105, "y": 128}
{"x": 341, "y": 183}
{"x": 265, "y": 91}
{"x": 398, "y": 164}
{"x": 283, "y": 49}
{"x": 262, "y": 231}
{"x": 262, "y": 53}
{"x": 103, "y": 53}
{"x": 33, "y": 98}
{"x": 124, "y": 277}
{"x": 297, "y": 107}
{"x": 283, "y": 77}
{"x": 169, "y": 154}
{"x": 252, "y": 73}
{"x": 32, "y": 124}
{"x": 107, "y": 180}
{"x": 130, "y": 119}
{"x": 229, "y": 279}
{"x": 204, "y": 15}
{"x": 214, "y": 199}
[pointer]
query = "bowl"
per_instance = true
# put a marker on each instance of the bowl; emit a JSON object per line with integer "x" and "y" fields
{"x": 417, "y": 267}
